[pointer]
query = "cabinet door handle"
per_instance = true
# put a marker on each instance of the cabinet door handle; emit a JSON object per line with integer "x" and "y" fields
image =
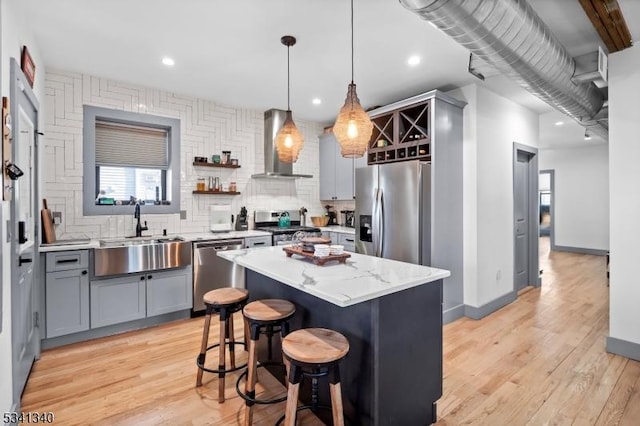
{"x": 84, "y": 272}
{"x": 22, "y": 260}
{"x": 347, "y": 239}
{"x": 259, "y": 244}
{"x": 142, "y": 278}
{"x": 74, "y": 260}
{"x": 149, "y": 277}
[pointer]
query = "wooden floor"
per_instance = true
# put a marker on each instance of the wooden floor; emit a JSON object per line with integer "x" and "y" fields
{"x": 541, "y": 360}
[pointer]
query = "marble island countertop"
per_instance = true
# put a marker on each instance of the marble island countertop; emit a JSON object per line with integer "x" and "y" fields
{"x": 362, "y": 278}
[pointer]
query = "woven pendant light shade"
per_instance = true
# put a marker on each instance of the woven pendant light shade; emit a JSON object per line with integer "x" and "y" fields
{"x": 289, "y": 140}
{"x": 352, "y": 127}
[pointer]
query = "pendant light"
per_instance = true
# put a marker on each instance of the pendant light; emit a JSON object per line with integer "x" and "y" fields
{"x": 289, "y": 139}
{"x": 352, "y": 127}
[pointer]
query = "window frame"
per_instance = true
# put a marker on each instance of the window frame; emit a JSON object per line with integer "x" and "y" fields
{"x": 171, "y": 125}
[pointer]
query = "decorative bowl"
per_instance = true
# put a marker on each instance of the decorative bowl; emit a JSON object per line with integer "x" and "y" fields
{"x": 320, "y": 220}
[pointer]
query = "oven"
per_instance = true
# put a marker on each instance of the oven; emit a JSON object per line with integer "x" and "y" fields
{"x": 267, "y": 220}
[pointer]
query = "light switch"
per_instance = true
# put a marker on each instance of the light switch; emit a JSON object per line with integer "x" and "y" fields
{"x": 57, "y": 218}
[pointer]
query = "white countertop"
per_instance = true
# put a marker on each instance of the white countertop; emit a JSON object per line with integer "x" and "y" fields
{"x": 362, "y": 278}
{"x": 197, "y": 236}
{"x": 339, "y": 229}
{"x": 223, "y": 235}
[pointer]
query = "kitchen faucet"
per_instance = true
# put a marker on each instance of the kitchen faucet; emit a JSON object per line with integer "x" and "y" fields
{"x": 139, "y": 227}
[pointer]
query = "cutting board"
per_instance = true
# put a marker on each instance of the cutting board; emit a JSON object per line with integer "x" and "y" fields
{"x": 48, "y": 233}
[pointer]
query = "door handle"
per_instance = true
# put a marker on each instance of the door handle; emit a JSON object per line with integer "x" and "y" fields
{"x": 22, "y": 260}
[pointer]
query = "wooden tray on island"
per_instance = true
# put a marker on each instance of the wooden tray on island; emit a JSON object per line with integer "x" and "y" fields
{"x": 342, "y": 258}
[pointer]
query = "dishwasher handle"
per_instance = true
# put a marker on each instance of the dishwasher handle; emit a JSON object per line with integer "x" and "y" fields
{"x": 218, "y": 245}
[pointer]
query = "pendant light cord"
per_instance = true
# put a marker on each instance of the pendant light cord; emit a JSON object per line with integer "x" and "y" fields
{"x": 288, "y": 82}
{"x": 351, "y": 41}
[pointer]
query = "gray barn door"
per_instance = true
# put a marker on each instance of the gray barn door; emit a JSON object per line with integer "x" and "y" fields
{"x": 25, "y": 336}
{"x": 525, "y": 210}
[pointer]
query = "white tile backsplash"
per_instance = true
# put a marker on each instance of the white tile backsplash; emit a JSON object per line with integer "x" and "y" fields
{"x": 206, "y": 129}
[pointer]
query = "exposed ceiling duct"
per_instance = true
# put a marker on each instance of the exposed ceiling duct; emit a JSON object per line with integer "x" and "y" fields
{"x": 509, "y": 35}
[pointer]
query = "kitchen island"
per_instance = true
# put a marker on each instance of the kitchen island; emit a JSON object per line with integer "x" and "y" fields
{"x": 391, "y": 313}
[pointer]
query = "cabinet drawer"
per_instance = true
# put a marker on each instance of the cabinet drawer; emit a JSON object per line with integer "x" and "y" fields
{"x": 66, "y": 260}
{"x": 348, "y": 241}
{"x": 345, "y": 239}
{"x": 252, "y": 242}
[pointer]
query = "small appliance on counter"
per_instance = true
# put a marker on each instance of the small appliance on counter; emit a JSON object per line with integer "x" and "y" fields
{"x": 333, "y": 216}
{"x": 242, "y": 222}
{"x": 220, "y": 218}
{"x": 348, "y": 218}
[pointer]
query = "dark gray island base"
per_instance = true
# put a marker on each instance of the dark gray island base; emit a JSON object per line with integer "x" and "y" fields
{"x": 393, "y": 372}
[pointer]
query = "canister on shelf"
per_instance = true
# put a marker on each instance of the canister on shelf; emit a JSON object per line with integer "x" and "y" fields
{"x": 226, "y": 157}
{"x": 200, "y": 186}
{"x": 233, "y": 187}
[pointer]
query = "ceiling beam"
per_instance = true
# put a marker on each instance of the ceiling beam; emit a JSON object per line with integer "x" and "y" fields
{"x": 606, "y": 17}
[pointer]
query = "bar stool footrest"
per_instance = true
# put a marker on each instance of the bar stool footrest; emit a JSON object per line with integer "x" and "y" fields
{"x": 256, "y": 400}
{"x": 227, "y": 370}
{"x": 306, "y": 407}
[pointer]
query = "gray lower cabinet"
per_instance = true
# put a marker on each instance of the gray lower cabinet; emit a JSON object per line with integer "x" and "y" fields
{"x": 168, "y": 291}
{"x": 117, "y": 300}
{"x": 136, "y": 296}
{"x": 66, "y": 293}
{"x": 348, "y": 241}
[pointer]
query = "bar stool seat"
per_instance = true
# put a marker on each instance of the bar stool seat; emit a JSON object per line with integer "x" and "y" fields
{"x": 267, "y": 316}
{"x": 225, "y": 302}
{"x": 314, "y": 352}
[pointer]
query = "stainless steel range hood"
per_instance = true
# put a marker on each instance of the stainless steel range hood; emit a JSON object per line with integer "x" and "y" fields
{"x": 274, "y": 168}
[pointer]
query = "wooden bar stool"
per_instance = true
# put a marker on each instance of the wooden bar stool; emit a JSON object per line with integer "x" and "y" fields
{"x": 314, "y": 352}
{"x": 225, "y": 302}
{"x": 267, "y": 316}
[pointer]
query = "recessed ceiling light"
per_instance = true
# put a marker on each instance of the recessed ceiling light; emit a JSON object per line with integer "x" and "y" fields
{"x": 587, "y": 138}
{"x": 414, "y": 60}
{"x": 168, "y": 61}
{"x": 559, "y": 123}
{"x": 316, "y": 101}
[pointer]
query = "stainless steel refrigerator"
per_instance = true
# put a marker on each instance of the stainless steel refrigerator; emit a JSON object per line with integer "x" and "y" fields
{"x": 393, "y": 211}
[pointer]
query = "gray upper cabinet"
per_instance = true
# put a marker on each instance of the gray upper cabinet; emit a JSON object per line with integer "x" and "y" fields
{"x": 337, "y": 174}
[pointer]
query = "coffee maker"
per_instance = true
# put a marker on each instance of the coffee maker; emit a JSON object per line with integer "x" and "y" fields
{"x": 242, "y": 223}
{"x": 333, "y": 216}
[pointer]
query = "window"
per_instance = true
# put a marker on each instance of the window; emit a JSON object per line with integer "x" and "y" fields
{"x": 128, "y": 158}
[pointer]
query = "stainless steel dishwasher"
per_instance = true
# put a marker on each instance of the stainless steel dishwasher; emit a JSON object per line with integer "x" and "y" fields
{"x": 211, "y": 271}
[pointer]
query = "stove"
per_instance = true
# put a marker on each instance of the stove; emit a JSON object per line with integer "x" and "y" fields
{"x": 267, "y": 220}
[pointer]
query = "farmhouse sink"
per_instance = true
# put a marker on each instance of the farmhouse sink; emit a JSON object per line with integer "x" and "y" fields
{"x": 131, "y": 255}
{"x": 128, "y": 241}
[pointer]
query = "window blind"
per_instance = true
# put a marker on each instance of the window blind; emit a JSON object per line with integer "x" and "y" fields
{"x": 134, "y": 146}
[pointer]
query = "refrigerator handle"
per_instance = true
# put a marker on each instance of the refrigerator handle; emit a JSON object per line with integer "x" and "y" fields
{"x": 381, "y": 224}
{"x": 378, "y": 223}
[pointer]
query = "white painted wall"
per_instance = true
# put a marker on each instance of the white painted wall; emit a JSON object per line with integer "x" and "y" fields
{"x": 581, "y": 195}
{"x": 15, "y": 32}
{"x": 624, "y": 176}
{"x": 492, "y": 124}
{"x": 206, "y": 128}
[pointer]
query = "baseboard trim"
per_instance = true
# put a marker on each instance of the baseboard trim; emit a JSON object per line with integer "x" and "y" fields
{"x": 452, "y": 314}
{"x": 623, "y": 348}
{"x": 489, "y": 308}
{"x": 110, "y": 330}
{"x": 581, "y": 250}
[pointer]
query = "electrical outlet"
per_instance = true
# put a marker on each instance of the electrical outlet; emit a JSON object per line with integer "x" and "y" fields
{"x": 57, "y": 218}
